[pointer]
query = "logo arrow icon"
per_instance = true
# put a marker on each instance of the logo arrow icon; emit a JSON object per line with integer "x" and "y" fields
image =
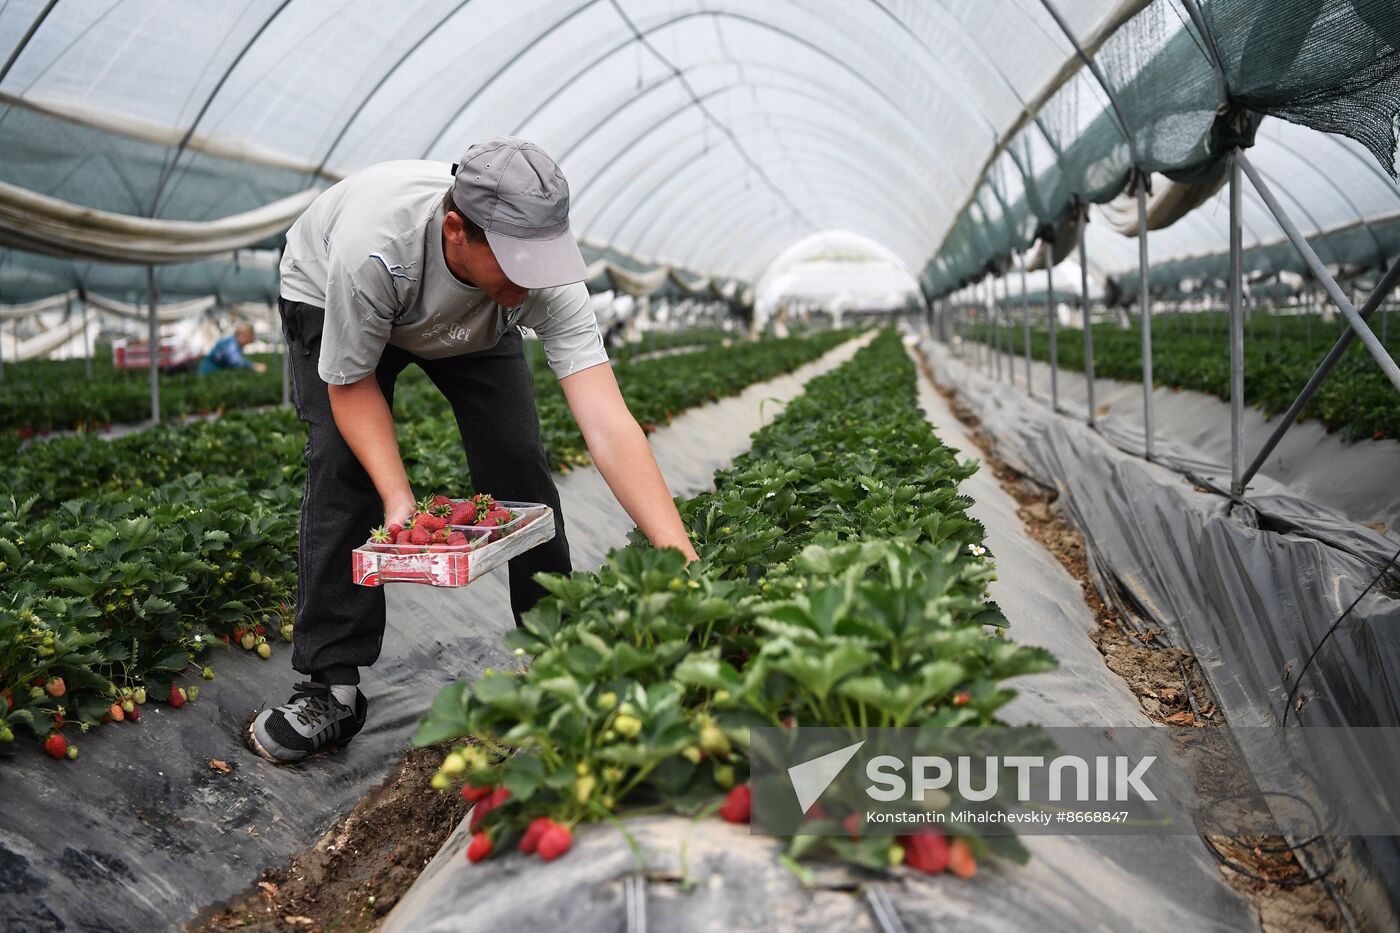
{"x": 811, "y": 778}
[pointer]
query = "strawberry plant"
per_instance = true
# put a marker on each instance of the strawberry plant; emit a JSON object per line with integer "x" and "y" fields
{"x": 840, "y": 583}
{"x": 125, "y": 560}
{"x": 1356, "y": 398}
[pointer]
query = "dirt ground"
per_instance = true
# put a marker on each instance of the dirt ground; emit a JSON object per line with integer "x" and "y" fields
{"x": 1168, "y": 685}
{"x": 356, "y": 872}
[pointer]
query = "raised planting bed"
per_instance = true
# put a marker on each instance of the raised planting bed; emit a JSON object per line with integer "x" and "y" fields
{"x": 840, "y": 582}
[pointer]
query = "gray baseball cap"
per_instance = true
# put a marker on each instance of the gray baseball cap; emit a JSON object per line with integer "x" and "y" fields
{"x": 516, "y": 193}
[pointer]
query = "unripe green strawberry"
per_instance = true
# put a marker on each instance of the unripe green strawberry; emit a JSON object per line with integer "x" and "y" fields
{"x": 441, "y": 781}
{"x": 895, "y": 855}
{"x": 713, "y": 739}
{"x": 192, "y": 694}
{"x": 36, "y": 693}
{"x": 128, "y": 706}
{"x": 583, "y": 788}
{"x": 607, "y": 701}
{"x": 207, "y": 673}
{"x": 72, "y": 752}
{"x": 139, "y": 694}
{"x": 627, "y": 726}
{"x": 724, "y": 775}
{"x": 248, "y": 641}
{"x": 287, "y": 632}
{"x": 692, "y": 754}
{"x": 454, "y": 764}
{"x": 6, "y": 735}
{"x": 264, "y": 651}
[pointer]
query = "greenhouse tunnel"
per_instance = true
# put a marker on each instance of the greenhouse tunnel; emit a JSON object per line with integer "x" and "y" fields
{"x": 1142, "y": 254}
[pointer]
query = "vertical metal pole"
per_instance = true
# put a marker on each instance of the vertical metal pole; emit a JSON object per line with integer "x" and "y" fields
{"x": 1050, "y": 320}
{"x": 1307, "y": 314}
{"x": 1010, "y": 324}
{"x": 1236, "y": 332}
{"x": 1026, "y": 321}
{"x": 1088, "y": 323}
{"x": 1146, "y": 311}
{"x": 87, "y": 339}
{"x": 996, "y": 325}
{"x": 153, "y": 343}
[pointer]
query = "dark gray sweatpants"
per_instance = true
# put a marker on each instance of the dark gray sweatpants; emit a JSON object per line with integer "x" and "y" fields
{"x": 340, "y": 625}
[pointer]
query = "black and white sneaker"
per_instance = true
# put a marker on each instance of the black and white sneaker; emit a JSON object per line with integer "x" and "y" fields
{"x": 311, "y": 721}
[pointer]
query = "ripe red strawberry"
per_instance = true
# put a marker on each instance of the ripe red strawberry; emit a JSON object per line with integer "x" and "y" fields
{"x": 393, "y": 531}
{"x": 441, "y": 535}
{"x": 9, "y": 699}
{"x": 177, "y": 696}
{"x": 927, "y": 853}
{"x": 135, "y": 713}
{"x": 56, "y": 746}
{"x": 55, "y": 687}
{"x": 554, "y": 841}
{"x": 852, "y": 825}
{"x": 483, "y": 807}
{"x": 456, "y": 539}
{"x": 473, "y": 794}
{"x": 419, "y": 535}
{"x": 531, "y": 840}
{"x": 403, "y": 536}
{"x": 441, "y": 500}
{"x": 463, "y": 513}
{"x": 116, "y": 712}
{"x": 737, "y": 805}
{"x": 479, "y": 848}
{"x": 501, "y": 515}
{"x": 962, "y": 699}
{"x": 484, "y": 503}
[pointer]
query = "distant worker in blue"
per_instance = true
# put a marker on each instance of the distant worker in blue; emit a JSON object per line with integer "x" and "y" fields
{"x": 228, "y": 353}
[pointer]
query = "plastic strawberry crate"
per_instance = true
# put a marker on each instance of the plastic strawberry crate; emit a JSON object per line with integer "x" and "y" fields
{"x": 452, "y": 565}
{"x": 525, "y": 513}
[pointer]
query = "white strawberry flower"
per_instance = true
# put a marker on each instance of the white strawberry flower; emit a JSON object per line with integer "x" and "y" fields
{"x": 976, "y": 550}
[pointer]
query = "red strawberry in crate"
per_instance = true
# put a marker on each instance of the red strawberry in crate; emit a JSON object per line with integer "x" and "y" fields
{"x": 419, "y": 535}
{"x": 394, "y": 530}
{"x": 463, "y": 513}
{"x": 441, "y": 535}
{"x": 484, "y": 503}
{"x": 380, "y": 536}
{"x": 441, "y": 500}
{"x": 456, "y": 539}
{"x": 501, "y": 515}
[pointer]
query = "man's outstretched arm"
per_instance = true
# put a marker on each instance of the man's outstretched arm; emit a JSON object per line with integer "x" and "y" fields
{"x": 363, "y": 417}
{"x": 620, "y": 450}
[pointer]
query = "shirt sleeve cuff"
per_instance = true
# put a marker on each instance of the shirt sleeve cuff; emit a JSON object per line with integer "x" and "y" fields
{"x": 569, "y": 367}
{"x": 340, "y": 377}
